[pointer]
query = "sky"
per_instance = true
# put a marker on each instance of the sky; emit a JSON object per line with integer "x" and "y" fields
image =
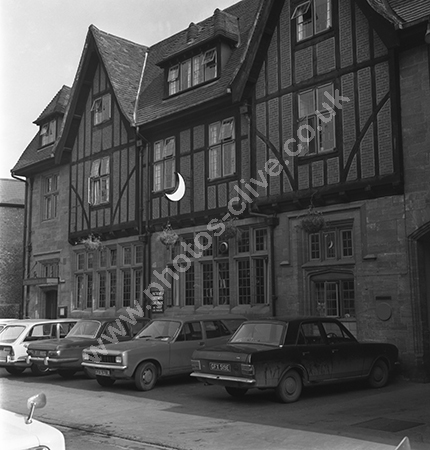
{"x": 41, "y": 42}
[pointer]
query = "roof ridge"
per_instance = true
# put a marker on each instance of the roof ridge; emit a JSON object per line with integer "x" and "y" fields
{"x": 98, "y": 30}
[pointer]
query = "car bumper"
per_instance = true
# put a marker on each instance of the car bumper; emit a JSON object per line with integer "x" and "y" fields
{"x": 109, "y": 370}
{"x": 9, "y": 362}
{"x": 53, "y": 363}
{"x": 224, "y": 380}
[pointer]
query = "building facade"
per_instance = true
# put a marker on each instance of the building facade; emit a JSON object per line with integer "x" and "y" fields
{"x": 293, "y": 127}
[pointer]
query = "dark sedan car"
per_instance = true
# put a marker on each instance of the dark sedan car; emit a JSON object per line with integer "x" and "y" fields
{"x": 287, "y": 354}
{"x": 65, "y": 354}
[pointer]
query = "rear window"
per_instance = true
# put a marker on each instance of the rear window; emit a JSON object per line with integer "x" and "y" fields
{"x": 232, "y": 324}
{"x": 215, "y": 328}
{"x": 11, "y": 333}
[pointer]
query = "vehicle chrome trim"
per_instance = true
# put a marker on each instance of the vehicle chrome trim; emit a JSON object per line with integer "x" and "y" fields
{"x": 222, "y": 377}
{"x": 103, "y": 366}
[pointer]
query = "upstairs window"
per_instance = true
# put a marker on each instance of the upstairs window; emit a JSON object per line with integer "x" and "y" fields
{"x": 222, "y": 149}
{"x": 48, "y": 133}
{"x": 334, "y": 244}
{"x": 164, "y": 164}
{"x": 50, "y": 196}
{"x": 192, "y": 72}
{"x": 102, "y": 109}
{"x": 312, "y": 17}
{"x": 98, "y": 183}
{"x": 316, "y": 128}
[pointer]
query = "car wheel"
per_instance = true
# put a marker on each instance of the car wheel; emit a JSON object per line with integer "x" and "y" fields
{"x": 39, "y": 370}
{"x": 105, "y": 381}
{"x": 379, "y": 374}
{"x": 236, "y": 392}
{"x": 15, "y": 370}
{"x": 67, "y": 373}
{"x": 146, "y": 376}
{"x": 290, "y": 387}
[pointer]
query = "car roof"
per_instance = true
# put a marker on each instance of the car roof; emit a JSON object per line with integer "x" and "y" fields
{"x": 185, "y": 318}
{"x": 41, "y": 321}
{"x": 290, "y": 319}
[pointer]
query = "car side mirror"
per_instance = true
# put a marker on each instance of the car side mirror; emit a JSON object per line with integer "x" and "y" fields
{"x": 37, "y": 401}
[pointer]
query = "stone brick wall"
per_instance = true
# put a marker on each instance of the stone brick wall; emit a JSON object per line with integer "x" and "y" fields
{"x": 11, "y": 256}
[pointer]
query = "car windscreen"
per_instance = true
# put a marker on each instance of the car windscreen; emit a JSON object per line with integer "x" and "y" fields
{"x": 259, "y": 333}
{"x": 159, "y": 329}
{"x": 11, "y": 333}
{"x": 85, "y": 328}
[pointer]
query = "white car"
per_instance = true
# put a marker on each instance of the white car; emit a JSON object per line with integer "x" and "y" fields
{"x": 17, "y": 335}
{"x": 21, "y": 432}
{"x": 5, "y": 322}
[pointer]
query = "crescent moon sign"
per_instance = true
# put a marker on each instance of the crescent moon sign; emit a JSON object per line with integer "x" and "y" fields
{"x": 176, "y": 195}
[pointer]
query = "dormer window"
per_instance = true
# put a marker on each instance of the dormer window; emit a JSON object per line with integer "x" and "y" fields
{"x": 101, "y": 109}
{"x": 48, "y": 133}
{"x": 192, "y": 72}
{"x": 312, "y": 17}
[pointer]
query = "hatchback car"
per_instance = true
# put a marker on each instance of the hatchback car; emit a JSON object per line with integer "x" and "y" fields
{"x": 65, "y": 355}
{"x": 16, "y": 336}
{"x": 287, "y": 354}
{"x": 163, "y": 348}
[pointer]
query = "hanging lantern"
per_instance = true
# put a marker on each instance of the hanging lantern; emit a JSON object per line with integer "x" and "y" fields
{"x": 168, "y": 236}
{"x": 313, "y": 221}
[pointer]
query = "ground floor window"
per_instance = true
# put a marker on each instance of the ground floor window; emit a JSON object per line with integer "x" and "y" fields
{"x": 334, "y": 297}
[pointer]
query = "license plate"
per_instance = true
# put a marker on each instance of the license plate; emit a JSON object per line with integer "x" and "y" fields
{"x": 102, "y": 373}
{"x": 220, "y": 367}
{"x": 40, "y": 353}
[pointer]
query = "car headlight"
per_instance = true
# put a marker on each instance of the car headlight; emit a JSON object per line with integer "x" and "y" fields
{"x": 53, "y": 353}
{"x": 118, "y": 359}
{"x": 247, "y": 369}
{"x": 85, "y": 356}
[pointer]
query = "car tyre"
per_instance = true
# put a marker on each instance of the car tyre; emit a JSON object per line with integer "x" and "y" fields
{"x": 105, "y": 381}
{"x": 236, "y": 392}
{"x": 290, "y": 387}
{"x": 67, "y": 374}
{"x": 39, "y": 370}
{"x": 15, "y": 370}
{"x": 146, "y": 376}
{"x": 378, "y": 377}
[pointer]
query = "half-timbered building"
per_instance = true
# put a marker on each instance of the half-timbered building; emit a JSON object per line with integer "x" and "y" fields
{"x": 291, "y": 127}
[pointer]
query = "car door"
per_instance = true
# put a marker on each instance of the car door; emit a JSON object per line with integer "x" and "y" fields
{"x": 315, "y": 354}
{"x": 347, "y": 353}
{"x": 189, "y": 338}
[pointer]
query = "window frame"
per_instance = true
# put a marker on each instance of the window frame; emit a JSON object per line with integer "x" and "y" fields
{"x": 102, "y": 109}
{"x": 48, "y": 133}
{"x": 309, "y": 8}
{"x": 99, "y": 182}
{"x": 221, "y": 149}
{"x": 318, "y": 250}
{"x": 50, "y": 191}
{"x": 164, "y": 164}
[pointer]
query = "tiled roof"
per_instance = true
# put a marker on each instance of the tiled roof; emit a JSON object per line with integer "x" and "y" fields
{"x": 32, "y": 155}
{"x": 57, "y": 105}
{"x": 220, "y": 24}
{"x": 402, "y": 12}
{"x": 152, "y": 105}
{"x": 12, "y": 191}
{"x": 123, "y": 61}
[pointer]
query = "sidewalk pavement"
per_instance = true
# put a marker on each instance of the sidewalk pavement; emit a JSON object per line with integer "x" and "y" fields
{"x": 375, "y": 422}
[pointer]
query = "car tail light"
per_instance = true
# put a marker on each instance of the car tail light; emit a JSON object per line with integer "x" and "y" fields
{"x": 247, "y": 369}
{"x": 195, "y": 364}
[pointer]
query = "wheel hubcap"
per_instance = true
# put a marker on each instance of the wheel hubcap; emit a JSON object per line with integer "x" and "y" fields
{"x": 148, "y": 376}
{"x": 290, "y": 385}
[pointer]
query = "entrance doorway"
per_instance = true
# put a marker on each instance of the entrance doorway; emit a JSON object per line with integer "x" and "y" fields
{"x": 51, "y": 303}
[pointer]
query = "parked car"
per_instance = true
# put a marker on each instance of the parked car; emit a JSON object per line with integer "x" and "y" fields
{"x": 287, "y": 354}
{"x": 17, "y": 335}
{"x": 5, "y": 322}
{"x": 21, "y": 432}
{"x": 163, "y": 348}
{"x": 65, "y": 355}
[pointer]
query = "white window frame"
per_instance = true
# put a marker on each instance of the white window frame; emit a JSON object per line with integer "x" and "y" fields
{"x": 98, "y": 182}
{"x": 307, "y": 19}
{"x": 102, "y": 109}
{"x": 222, "y": 148}
{"x": 48, "y": 132}
{"x": 50, "y": 196}
{"x": 164, "y": 164}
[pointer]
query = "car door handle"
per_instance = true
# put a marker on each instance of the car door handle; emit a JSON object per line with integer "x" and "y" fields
{"x": 305, "y": 353}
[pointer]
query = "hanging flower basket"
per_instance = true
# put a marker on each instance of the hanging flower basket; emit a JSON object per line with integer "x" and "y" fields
{"x": 91, "y": 243}
{"x": 313, "y": 221}
{"x": 168, "y": 236}
{"x": 231, "y": 230}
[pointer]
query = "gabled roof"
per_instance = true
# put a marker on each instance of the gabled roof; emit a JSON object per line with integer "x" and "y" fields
{"x": 123, "y": 61}
{"x": 12, "y": 191}
{"x": 152, "y": 105}
{"x": 57, "y": 105}
{"x": 402, "y": 13}
{"x": 33, "y": 154}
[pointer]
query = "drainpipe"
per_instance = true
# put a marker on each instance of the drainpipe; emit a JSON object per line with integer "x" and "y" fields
{"x": 23, "y": 308}
{"x": 270, "y": 220}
